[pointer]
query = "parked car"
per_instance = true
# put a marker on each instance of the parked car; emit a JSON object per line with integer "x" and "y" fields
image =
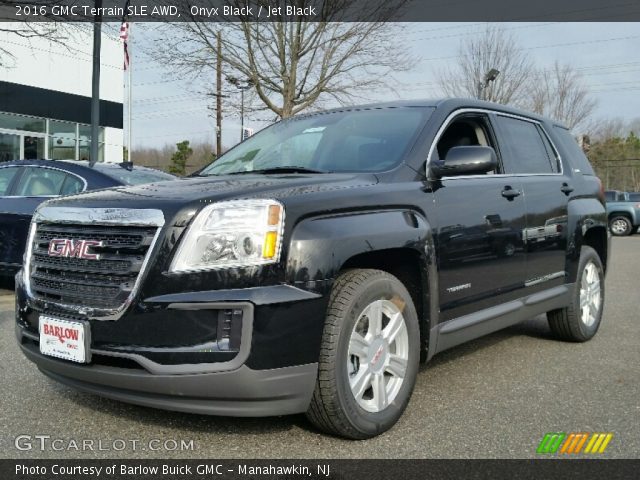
{"x": 307, "y": 270}
{"x": 25, "y": 184}
{"x": 623, "y": 212}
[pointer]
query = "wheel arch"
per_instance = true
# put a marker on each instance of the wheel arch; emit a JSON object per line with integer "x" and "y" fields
{"x": 397, "y": 241}
{"x": 597, "y": 238}
{"x": 620, "y": 213}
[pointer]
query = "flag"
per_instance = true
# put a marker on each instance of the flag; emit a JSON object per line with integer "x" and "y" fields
{"x": 124, "y": 34}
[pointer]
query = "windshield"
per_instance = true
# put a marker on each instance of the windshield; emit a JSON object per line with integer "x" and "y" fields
{"x": 137, "y": 176}
{"x": 372, "y": 140}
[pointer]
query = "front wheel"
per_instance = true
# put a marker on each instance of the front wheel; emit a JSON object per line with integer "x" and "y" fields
{"x": 580, "y": 321}
{"x": 369, "y": 356}
{"x": 620, "y": 226}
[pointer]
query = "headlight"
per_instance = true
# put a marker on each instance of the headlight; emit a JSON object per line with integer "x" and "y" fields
{"x": 232, "y": 234}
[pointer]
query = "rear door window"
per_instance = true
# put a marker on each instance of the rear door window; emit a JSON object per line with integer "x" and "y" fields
{"x": 523, "y": 147}
{"x": 40, "y": 182}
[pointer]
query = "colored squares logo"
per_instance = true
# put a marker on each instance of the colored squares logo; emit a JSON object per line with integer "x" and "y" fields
{"x": 573, "y": 443}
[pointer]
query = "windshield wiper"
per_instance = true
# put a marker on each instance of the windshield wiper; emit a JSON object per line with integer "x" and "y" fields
{"x": 285, "y": 169}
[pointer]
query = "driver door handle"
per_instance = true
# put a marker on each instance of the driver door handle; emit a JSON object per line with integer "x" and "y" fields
{"x": 509, "y": 193}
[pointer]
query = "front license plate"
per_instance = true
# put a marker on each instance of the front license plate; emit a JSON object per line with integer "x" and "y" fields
{"x": 63, "y": 339}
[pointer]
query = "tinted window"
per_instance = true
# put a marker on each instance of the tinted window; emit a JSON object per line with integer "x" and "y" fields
{"x": 523, "y": 148}
{"x": 634, "y": 197}
{"x": 610, "y": 196}
{"x": 577, "y": 158}
{"x": 6, "y": 175}
{"x": 365, "y": 140}
{"x": 38, "y": 182}
{"x": 551, "y": 153}
{"x": 71, "y": 185}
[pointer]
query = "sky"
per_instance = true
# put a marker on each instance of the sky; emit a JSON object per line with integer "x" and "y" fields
{"x": 167, "y": 108}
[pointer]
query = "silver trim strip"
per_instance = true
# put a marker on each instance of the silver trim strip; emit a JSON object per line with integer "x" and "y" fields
{"x": 461, "y": 111}
{"x": 100, "y": 216}
{"x": 93, "y": 216}
{"x": 544, "y": 278}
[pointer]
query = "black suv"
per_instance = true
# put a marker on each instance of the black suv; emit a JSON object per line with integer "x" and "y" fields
{"x": 312, "y": 267}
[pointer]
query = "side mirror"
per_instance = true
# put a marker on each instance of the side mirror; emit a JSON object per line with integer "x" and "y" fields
{"x": 470, "y": 160}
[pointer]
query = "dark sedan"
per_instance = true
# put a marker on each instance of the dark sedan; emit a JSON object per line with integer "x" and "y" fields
{"x": 25, "y": 184}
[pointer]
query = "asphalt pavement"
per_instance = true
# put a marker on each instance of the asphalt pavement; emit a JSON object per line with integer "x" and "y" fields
{"x": 495, "y": 397}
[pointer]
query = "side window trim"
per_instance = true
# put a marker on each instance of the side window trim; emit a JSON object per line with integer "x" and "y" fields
{"x": 492, "y": 114}
{"x": 539, "y": 128}
{"x": 20, "y": 174}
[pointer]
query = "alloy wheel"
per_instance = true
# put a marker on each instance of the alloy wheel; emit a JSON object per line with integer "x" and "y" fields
{"x": 378, "y": 355}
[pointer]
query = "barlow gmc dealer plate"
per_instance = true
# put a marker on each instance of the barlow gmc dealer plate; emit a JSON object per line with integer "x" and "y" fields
{"x": 63, "y": 339}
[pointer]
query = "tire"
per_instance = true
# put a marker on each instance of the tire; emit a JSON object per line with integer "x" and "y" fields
{"x": 572, "y": 323}
{"x": 620, "y": 226}
{"x": 334, "y": 407}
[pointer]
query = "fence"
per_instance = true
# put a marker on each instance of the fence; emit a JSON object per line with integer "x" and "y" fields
{"x": 619, "y": 174}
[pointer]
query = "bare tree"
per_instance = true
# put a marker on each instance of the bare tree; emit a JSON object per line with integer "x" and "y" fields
{"x": 295, "y": 65}
{"x": 50, "y": 27}
{"x": 560, "y": 94}
{"x": 493, "y": 49}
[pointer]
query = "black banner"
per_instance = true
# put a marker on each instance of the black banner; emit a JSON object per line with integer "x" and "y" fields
{"x": 321, "y": 10}
{"x": 317, "y": 469}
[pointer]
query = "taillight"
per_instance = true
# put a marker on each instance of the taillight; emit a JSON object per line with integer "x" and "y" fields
{"x": 558, "y": 228}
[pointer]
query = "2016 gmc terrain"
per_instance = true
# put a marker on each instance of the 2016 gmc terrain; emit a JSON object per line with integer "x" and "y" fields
{"x": 313, "y": 266}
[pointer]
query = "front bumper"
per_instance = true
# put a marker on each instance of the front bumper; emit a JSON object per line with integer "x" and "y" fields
{"x": 272, "y": 372}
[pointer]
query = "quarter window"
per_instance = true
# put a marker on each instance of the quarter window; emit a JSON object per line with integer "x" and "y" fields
{"x": 524, "y": 149}
{"x": 71, "y": 185}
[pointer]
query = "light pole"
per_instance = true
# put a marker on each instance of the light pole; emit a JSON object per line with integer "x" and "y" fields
{"x": 95, "y": 85}
{"x": 241, "y": 85}
{"x": 489, "y": 77}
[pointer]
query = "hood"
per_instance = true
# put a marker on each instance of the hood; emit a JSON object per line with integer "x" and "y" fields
{"x": 193, "y": 193}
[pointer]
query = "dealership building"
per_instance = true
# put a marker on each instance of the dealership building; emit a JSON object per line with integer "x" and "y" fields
{"x": 45, "y": 97}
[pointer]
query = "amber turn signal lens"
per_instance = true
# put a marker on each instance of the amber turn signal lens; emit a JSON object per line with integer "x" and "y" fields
{"x": 269, "y": 246}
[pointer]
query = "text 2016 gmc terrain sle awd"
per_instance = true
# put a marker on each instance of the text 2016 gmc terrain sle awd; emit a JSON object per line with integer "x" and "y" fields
{"x": 312, "y": 267}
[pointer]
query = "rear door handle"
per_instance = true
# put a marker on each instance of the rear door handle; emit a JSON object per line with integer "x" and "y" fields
{"x": 509, "y": 193}
{"x": 566, "y": 188}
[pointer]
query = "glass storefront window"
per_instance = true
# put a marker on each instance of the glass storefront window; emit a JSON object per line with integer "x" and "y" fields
{"x": 33, "y": 148}
{"x": 11, "y": 121}
{"x": 9, "y": 147}
{"x": 62, "y": 140}
{"x": 84, "y": 143}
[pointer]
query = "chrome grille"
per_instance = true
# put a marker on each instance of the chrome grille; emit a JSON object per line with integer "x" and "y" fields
{"x": 105, "y": 283}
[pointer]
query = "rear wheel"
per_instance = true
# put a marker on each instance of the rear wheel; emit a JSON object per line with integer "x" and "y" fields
{"x": 369, "y": 356}
{"x": 620, "y": 226}
{"x": 580, "y": 321}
